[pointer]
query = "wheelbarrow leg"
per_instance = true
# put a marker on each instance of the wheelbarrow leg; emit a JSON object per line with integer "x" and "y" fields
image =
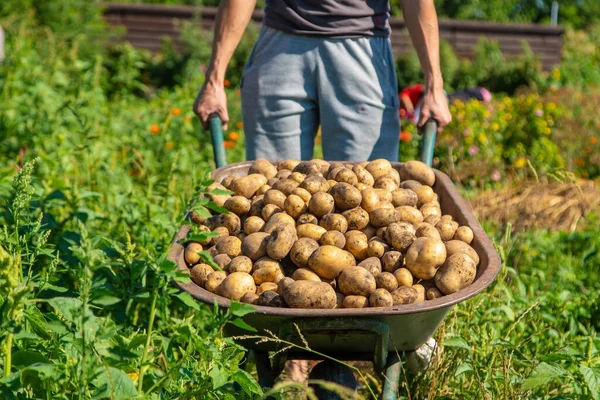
{"x": 266, "y": 377}
{"x": 391, "y": 377}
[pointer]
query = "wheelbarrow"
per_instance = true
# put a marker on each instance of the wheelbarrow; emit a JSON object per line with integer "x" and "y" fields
{"x": 373, "y": 334}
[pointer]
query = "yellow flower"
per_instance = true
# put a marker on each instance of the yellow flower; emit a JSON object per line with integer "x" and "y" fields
{"x": 551, "y": 106}
{"x": 548, "y": 131}
{"x": 169, "y": 145}
{"x": 133, "y": 376}
{"x": 556, "y": 74}
{"x": 495, "y": 126}
{"x": 520, "y": 162}
{"x": 482, "y": 138}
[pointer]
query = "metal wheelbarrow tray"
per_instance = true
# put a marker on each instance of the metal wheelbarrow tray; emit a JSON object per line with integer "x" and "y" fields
{"x": 357, "y": 334}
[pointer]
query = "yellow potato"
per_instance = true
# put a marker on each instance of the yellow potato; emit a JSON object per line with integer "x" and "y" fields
{"x": 354, "y": 301}
{"x": 329, "y": 261}
{"x": 256, "y": 206}
{"x": 409, "y": 214}
{"x": 286, "y": 186}
{"x": 378, "y": 167}
{"x": 190, "y": 254}
{"x": 248, "y": 185}
{"x": 240, "y": 264}
{"x": 230, "y": 221}
{"x": 357, "y": 218}
{"x": 386, "y": 182}
{"x": 387, "y": 281}
{"x": 334, "y": 222}
{"x": 213, "y": 281}
{"x": 404, "y": 295}
{"x": 421, "y": 292}
{"x": 464, "y": 233}
{"x": 269, "y": 273}
{"x": 377, "y": 247}
{"x": 222, "y": 260}
{"x": 400, "y": 236}
{"x": 433, "y": 293}
{"x": 456, "y": 273}
{"x": 295, "y": 206}
{"x": 265, "y": 262}
{"x": 309, "y": 294}
{"x": 310, "y": 231}
{"x": 428, "y": 231}
{"x": 392, "y": 260}
{"x": 458, "y": 246}
{"x": 357, "y": 244}
{"x": 230, "y": 245}
{"x": 276, "y": 197}
{"x": 429, "y": 209}
{"x": 304, "y": 274}
{"x": 255, "y": 245}
{"x": 363, "y": 175}
{"x": 404, "y": 197}
{"x": 262, "y": 190}
{"x": 381, "y": 298}
{"x": 277, "y": 220}
{"x": 418, "y": 171}
{"x": 356, "y": 281}
{"x": 371, "y": 264}
{"x": 280, "y": 241}
{"x": 320, "y": 204}
{"x": 303, "y": 194}
{"x": 424, "y": 257}
{"x": 288, "y": 164}
{"x": 253, "y": 224}
{"x": 302, "y": 250}
{"x": 298, "y": 177}
{"x": 369, "y": 199}
{"x": 238, "y": 205}
{"x": 425, "y": 194}
{"x": 236, "y": 285}
{"x": 334, "y": 238}
{"x": 269, "y": 210}
{"x": 447, "y": 229}
{"x": 307, "y": 218}
{"x": 383, "y": 217}
{"x": 199, "y": 273}
{"x": 218, "y": 199}
{"x": 346, "y": 196}
{"x": 403, "y": 277}
{"x": 264, "y": 167}
{"x": 283, "y": 283}
{"x": 266, "y": 286}
{"x": 346, "y": 175}
{"x": 314, "y": 184}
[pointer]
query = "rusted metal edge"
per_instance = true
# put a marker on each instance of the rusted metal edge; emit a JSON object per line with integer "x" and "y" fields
{"x": 489, "y": 268}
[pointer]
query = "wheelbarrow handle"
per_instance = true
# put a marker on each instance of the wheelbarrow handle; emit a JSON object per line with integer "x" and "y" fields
{"x": 429, "y": 134}
{"x": 216, "y": 137}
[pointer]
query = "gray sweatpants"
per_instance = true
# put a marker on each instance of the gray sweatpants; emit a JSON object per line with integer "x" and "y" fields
{"x": 292, "y": 84}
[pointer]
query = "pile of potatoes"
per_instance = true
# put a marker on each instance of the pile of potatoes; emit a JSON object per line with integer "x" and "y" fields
{"x": 315, "y": 234}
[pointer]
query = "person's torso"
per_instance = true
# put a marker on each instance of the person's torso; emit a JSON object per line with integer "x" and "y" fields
{"x": 329, "y": 18}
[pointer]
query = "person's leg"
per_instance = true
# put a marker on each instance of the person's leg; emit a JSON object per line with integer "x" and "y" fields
{"x": 358, "y": 99}
{"x": 279, "y": 105}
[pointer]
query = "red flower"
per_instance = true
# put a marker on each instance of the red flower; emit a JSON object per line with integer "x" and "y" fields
{"x": 405, "y": 136}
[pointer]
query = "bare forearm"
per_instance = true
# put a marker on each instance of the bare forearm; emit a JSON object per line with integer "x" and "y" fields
{"x": 232, "y": 19}
{"x": 422, "y": 23}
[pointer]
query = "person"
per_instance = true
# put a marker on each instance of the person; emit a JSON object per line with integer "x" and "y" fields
{"x": 322, "y": 63}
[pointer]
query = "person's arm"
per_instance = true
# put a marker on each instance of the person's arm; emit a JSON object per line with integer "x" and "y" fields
{"x": 406, "y": 102}
{"x": 232, "y": 19}
{"x": 422, "y": 24}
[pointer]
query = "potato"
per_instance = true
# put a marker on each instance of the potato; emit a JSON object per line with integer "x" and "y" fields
{"x": 249, "y": 298}
{"x": 298, "y": 177}
{"x": 428, "y": 231}
{"x": 253, "y": 224}
{"x": 262, "y": 190}
{"x": 370, "y": 199}
{"x": 425, "y": 194}
{"x": 283, "y": 174}
{"x": 255, "y": 245}
{"x": 383, "y": 217}
{"x": 404, "y": 197}
{"x": 447, "y": 229}
{"x": 269, "y": 210}
{"x": 333, "y": 238}
{"x": 456, "y": 273}
{"x": 381, "y": 298}
{"x": 212, "y": 251}
{"x": 378, "y": 167}
{"x": 360, "y": 186}
{"x": 404, "y": 295}
{"x": 433, "y": 293}
{"x": 295, "y": 206}
{"x": 248, "y": 185}
{"x": 236, "y": 285}
{"x": 464, "y": 233}
{"x": 240, "y": 264}
{"x": 199, "y": 273}
{"x": 363, "y": 175}
{"x": 310, "y": 231}
{"x": 370, "y": 231}
{"x": 386, "y": 182}
{"x": 230, "y": 221}
{"x": 266, "y": 286}
{"x": 264, "y": 167}
{"x": 283, "y": 283}
{"x": 371, "y": 264}
{"x": 286, "y": 186}
{"x": 197, "y": 218}
{"x": 409, "y": 214}
{"x": 213, "y": 281}
{"x": 346, "y": 196}
{"x": 410, "y": 184}
{"x": 357, "y": 244}
{"x": 429, "y": 209}
{"x": 265, "y": 262}
{"x": 302, "y": 250}
{"x": 377, "y": 247}
{"x": 329, "y": 261}
{"x": 432, "y": 219}
{"x": 421, "y": 292}
{"x": 309, "y": 294}
{"x": 418, "y": 171}
{"x": 357, "y": 218}
{"x": 356, "y": 281}
{"x": 238, "y": 205}
{"x": 256, "y": 206}
{"x": 280, "y": 241}
{"x": 334, "y": 222}
{"x": 218, "y": 199}
{"x": 320, "y": 204}
{"x": 385, "y": 196}
{"x": 230, "y": 245}
{"x": 403, "y": 277}
{"x": 304, "y": 274}
{"x": 269, "y": 298}
{"x": 190, "y": 254}
{"x": 227, "y": 181}
{"x": 307, "y": 218}
{"x": 346, "y": 175}
{"x": 314, "y": 184}
{"x": 387, "y": 281}
{"x": 458, "y": 246}
{"x": 287, "y": 164}
{"x": 400, "y": 236}
{"x": 339, "y": 300}
{"x": 269, "y": 183}
{"x": 222, "y": 260}
{"x": 354, "y": 301}
{"x": 392, "y": 260}
{"x": 276, "y": 197}
{"x": 277, "y": 220}
{"x": 303, "y": 194}
{"x": 268, "y": 273}
{"x": 424, "y": 257}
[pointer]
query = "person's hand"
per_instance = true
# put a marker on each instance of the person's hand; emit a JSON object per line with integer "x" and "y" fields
{"x": 435, "y": 106}
{"x": 211, "y": 99}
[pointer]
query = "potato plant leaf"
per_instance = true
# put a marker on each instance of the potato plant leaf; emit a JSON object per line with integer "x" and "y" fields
{"x": 240, "y": 309}
{"x": 457, "y": 341}
{"x": 188, "y": 300}
{"x": 115, "y": 384}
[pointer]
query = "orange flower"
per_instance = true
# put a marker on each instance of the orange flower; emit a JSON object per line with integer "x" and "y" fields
{"x": 579, "y": 162}
{"x": 229, "y": 144}
{"x": 233, "y": 136}
{"x": 154, "y": 129}
{"x": 175, "y": 110}
{"x": 405, "y": 136}
{"x": 588, "y": 149}
{"x": 593, "y": 140}
{"x": 239, "y": 125}
{"x": 226, "y": 83}
{"x": 187, "y": 118}
{"x": 169, "y": 145}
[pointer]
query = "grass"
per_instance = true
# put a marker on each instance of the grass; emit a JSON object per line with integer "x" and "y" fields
{"x": 87, "y": 305}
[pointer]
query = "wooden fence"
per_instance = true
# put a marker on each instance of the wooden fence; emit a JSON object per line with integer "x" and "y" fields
{"x": 147, "y": 24}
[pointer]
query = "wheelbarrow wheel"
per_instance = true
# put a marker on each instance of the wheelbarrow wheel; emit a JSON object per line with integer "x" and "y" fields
{"x": 334, "y": 372}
